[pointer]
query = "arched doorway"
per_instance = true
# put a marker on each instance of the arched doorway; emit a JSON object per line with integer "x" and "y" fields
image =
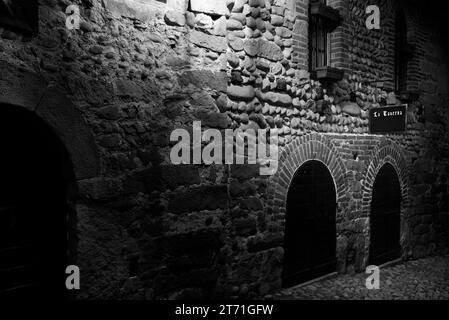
{"x": 385, "y": 217}
{"x": 310, "y": 230}
{"x": 33, "y": 207}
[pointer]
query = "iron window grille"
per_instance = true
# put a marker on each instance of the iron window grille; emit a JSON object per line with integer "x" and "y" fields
{"x": 319, "y": 43}
{"x": 322, "y": 20}
{"x": 402, "y": 53}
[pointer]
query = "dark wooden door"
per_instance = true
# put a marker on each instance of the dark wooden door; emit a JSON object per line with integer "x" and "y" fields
{"x": 33, "y": 212}
{"x": 310, "y": 230}
{"x": 385, "y": 217}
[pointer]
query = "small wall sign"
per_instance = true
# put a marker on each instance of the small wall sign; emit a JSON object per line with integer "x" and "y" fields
{"x": 390, "y": 119}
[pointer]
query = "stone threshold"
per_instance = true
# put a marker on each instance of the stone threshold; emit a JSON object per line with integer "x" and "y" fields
{"x": 325, "y": 277}
{"x": 391, "y": 263}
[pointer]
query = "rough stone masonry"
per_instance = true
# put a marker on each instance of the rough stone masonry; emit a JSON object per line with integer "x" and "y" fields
{"x": 138, "y": 69}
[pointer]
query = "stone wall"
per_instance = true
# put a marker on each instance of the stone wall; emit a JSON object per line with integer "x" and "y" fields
{"x": 138, "y": 69}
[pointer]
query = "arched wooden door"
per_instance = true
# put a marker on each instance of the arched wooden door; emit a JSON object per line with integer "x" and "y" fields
{"x": 33, "y": 213}
{"x": 385, "y": 217}
{"x": 310, "y": 230}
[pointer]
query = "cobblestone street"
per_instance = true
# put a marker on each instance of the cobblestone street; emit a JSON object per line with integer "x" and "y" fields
{"x": 424, "y": 279}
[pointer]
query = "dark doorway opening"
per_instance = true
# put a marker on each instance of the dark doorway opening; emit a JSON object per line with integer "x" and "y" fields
{"x": 385, "y": 217}
{"x": 33, "y": 207}
{"x": 310, "y": 229}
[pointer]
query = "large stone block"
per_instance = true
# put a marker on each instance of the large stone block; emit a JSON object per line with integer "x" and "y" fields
{"x": 351, "y": 109}
{"x": 214, "y": 43}
{"x": 276, "y": 98}
{"x": 179, "y": 5}
{"x": 241, "y": 92}
{"x": 220, "y": 27}
{"x": 251, "y": 47}
{"x": 236, "y": 44}
{"x": 216, "y": 7}
{"x": 204, "y": 78}
{"x": 143, "y": 11}
{"x": 175, "y": 18}
{"x": 264, "y": 49}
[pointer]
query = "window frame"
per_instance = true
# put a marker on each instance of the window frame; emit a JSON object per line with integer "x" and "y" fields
{"x": 319, "y": 44}
{"x": 323, "y": 19}
{"x": 401, "y": 52}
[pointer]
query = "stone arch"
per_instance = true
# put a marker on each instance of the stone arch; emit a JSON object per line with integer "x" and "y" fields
{"x": 24, "y": 89}
{"x": 309, "y": 147}
{"x": 387, "y": 151}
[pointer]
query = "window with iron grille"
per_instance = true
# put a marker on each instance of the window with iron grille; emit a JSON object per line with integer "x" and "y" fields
{"x": 401, "y": 52}
{"x": 323, "y": 19}
{"x": 319, "y": 43}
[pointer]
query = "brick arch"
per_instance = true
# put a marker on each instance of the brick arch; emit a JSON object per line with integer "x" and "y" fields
{"x": 387, "y": 151}
{"x": 309, "y": 147}
{"x": 25, "y": 89}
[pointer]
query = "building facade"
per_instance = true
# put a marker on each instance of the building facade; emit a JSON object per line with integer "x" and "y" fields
{"x": 109, "y": 92}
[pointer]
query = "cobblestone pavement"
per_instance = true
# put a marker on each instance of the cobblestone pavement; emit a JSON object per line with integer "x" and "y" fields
{"x": 424, "y": 279}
